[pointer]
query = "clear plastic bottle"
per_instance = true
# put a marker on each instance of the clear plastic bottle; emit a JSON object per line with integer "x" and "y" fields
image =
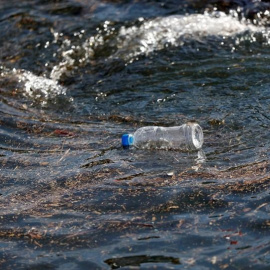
{"x": 185, "y": 137}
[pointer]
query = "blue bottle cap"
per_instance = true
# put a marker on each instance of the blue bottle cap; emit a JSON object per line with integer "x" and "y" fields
{"x": 127, "y": 140}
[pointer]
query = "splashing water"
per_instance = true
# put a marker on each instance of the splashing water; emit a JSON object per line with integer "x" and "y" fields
{"x": 152, "y": 35}
{"x": 174, "y": 30}
{"x": 131, "y": 42}
{"x": 39, "y": 86}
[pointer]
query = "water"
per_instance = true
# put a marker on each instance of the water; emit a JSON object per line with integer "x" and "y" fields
{"x": 75, "y": 76}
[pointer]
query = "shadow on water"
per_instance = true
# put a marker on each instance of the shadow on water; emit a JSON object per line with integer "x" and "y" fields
{"x": 76, "y": 75}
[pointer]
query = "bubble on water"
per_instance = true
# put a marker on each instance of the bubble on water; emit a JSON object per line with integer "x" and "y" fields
{"x": 100, "y": 96}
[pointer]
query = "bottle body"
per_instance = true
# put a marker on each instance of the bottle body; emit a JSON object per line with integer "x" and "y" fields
{"x": 185, "y": 137}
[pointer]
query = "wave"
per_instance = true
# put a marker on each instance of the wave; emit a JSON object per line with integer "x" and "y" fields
{"x": 158, "y": 33}
{"x": 128, "y": 43}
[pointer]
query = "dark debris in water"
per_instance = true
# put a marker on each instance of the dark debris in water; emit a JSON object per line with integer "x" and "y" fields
{"x": 95, "y": 163}
{"x": 116, "y": 263}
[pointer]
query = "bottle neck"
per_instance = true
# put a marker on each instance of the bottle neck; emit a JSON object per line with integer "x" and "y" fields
{"x": 194, "y": 136}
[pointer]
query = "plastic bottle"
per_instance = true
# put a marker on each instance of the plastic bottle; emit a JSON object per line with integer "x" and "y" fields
{"x": 186, "y": 137}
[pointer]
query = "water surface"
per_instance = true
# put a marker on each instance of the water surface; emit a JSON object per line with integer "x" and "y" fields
{"x": 75, "y": 76}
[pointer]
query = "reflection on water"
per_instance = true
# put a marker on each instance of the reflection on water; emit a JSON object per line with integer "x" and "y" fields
{"x": 75, "y": 76}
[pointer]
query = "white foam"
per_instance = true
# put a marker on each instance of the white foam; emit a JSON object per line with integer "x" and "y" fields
{"x": 157, "y": 33}
{"x": 39, "y": 86}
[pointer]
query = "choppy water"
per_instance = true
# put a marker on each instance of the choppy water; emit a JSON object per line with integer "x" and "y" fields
{"x": 76, "y": 75}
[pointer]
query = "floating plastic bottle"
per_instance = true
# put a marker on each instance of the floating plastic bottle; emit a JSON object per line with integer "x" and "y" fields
{"x": 185, "y": 137}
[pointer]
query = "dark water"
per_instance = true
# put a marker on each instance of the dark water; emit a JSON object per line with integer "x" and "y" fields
{"x": 76, "y": 75}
